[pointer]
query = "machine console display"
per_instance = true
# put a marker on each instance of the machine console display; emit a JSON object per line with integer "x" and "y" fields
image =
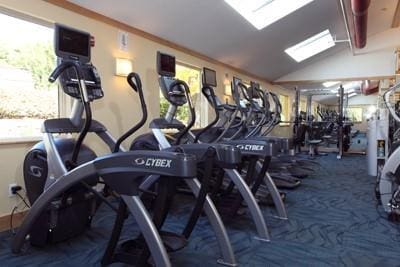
{"x": 165, "y": 65}
{"x": 209, "y": 77}
{"x": 74, "y": 45}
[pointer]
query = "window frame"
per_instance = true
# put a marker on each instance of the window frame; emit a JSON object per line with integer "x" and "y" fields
{"x": 64, "y": 105}
{"x": 358, "y": 108}
{"x": 203, "y": 101}
{"x": 285, "y": 110}
{"x": 204, "y": 113}
{"x": 303, "y": 102}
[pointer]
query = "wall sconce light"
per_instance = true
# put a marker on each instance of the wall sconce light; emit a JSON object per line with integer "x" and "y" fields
{"x": 227, "y": 90}
{"x": 227, "y": 86}
{"x": 123, "y": 67}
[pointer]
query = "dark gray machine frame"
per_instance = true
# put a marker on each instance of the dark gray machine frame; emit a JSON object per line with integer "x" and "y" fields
{"x": 389, "y": 187}
{"x": 262, "y": 141}
{"x": 120, "y": 171}
{"x": 233, "y": 175}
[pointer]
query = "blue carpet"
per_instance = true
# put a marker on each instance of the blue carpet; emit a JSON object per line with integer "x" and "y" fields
{"x": 333, "y": 222}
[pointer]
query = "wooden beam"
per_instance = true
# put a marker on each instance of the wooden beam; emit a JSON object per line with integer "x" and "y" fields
{"x": 5, "y": 220}
{"x": 301, "y": 82}
{"x": 125, "y": 27}
{"x": 396, "y": 17}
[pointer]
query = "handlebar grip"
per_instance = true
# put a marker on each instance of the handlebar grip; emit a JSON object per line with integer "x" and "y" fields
{"x": 137, "y": 83}
{"x": 61, "y": 68}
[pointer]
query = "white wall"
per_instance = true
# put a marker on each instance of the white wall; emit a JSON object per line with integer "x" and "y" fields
{"x": 363, "y": 100}
{"x": 376, "y": 59}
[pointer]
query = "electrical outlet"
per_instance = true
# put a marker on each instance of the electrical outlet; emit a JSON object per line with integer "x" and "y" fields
{"x": 10, "y": 193}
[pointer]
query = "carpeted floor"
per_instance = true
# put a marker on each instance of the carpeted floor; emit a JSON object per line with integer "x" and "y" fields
{"x": 333, "y": 222}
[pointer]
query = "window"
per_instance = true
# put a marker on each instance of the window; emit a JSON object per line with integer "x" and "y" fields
{"x": 314, "y": 111}
{"x": 26, "y": 61}
{"x": 312, "y": 46}
{"x": 355, "y": 114}
{"x": 285, "y": 116}
{"x": 192, "y": 76}
{"x": 303, "y": 105}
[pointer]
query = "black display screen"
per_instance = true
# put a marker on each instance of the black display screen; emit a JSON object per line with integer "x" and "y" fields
{"x": 209, "y": 77}
{"x": 165, "y": 65}
{"x": 72, "y": 44}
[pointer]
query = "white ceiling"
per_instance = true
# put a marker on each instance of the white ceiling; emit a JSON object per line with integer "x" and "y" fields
{"x": 213, "y": 28}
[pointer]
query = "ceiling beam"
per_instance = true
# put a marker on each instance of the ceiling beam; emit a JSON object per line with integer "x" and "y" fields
{"x": 302, "y": 82}
{"x": 396, "y": 17}
{"x": 123, "y": 26}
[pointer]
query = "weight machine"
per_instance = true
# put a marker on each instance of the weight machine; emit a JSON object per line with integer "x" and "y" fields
{"x": 302, "y": 128}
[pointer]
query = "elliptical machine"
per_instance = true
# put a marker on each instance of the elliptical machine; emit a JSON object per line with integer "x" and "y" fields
{"x": 177, "y": 93}
{"x": 70, "y": 213}
{"x": 122, "y": 172}
{"x": 389, "y": 176}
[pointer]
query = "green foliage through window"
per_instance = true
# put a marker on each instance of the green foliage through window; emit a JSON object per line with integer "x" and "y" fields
{"x": 192, "y": 77}
{"x": 355, "y": 114}
{"x": 26, "y": 61}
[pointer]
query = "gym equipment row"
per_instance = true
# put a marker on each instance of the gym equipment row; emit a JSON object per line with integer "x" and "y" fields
{"x": 225, "y": 166}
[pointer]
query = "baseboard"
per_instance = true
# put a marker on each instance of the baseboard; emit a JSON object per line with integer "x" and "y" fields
{"x": 5, "y": 220}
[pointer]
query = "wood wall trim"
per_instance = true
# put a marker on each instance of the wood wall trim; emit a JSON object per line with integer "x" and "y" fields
{"x": 300, "y": 82}
{"x": 396, "y": 17}
{"x": 125, "y": 27}
{"x": 18, "y": 217}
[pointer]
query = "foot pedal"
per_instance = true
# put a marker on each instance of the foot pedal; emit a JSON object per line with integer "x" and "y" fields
{"x": 128, "y": 252}
{"x": 268, "y": 201}
{"x": 172, "y": 241}
{"x": 394, "y": 217}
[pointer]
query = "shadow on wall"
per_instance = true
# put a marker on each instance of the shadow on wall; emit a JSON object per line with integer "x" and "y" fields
{"x": 116, "y": 112}
{"x": 152, "y": 94}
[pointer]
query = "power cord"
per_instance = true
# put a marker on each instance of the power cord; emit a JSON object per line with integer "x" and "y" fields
{"x": 15, "y": 208}
{"x": 23, "y": 199}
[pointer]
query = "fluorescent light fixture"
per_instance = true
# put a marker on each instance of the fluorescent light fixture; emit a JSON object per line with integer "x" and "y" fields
{"x": 352, "y": 94}
{"x": 352, "y": 85}
{"x": 261, "y": 13}
{"x": 312, "y": 46}
{"x": 329, "y": 84}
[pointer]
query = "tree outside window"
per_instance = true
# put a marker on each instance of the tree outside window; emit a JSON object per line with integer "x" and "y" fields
{"x": 192, "y": 77}
{"x": 26, "y": 61}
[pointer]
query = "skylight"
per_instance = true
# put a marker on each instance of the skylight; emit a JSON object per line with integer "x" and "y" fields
{"x": 312, "y": 46}
{"x": 330, "y": 84}
{"x": 261, "y": 13}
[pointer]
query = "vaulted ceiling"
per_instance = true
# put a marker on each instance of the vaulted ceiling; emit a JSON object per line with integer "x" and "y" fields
{"x": 213, "y": 28}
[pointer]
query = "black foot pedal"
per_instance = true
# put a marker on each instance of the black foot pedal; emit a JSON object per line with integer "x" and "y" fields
{"x": 268, "y": 201}
{"x": 172, "y": 241}
{"x": 394, "y": 217}
{"x": 129, "y": 252}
